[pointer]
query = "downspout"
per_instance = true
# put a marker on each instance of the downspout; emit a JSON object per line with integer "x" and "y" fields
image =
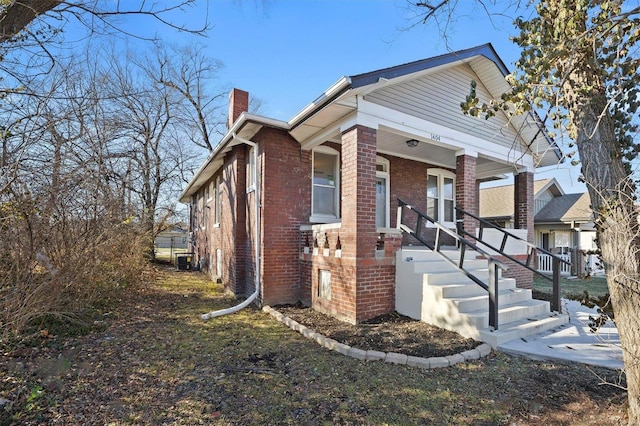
{"x": 255, "y": 294}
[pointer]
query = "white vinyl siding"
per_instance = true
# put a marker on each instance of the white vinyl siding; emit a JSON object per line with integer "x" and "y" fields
{"x": 437, "y": 97}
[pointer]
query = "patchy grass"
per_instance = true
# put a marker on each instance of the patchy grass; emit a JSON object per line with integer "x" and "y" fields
{"x": 157, "y": 362}
{"x": 596, "y": 286}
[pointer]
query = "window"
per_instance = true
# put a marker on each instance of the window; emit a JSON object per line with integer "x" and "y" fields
{"x": 218, "y": 198}
{"x": 194, "y": 211}
{"x": 251, "y": 176}
{"x": 205, "y": 207}
{"x": 441, "y": 194}
{"x": 210, "y": 190}
{"x": 324, "y": 284}
{"x": 325, "y": 204}
{"x": 382, "y": 192}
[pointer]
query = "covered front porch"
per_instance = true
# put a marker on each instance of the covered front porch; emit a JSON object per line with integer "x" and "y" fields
{"x": 399, "y": 134}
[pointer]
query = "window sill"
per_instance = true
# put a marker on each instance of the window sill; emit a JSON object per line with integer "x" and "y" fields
{"x": 324, "y": 219}
{"x": 450, "y": 225}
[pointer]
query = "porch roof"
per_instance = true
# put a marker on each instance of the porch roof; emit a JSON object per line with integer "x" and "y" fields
{"x": 316, "y": 122}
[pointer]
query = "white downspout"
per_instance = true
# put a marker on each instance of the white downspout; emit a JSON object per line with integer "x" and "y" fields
{"x": 255, "y": 294}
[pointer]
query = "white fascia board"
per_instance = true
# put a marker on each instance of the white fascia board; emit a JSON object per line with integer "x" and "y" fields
{"x": 334, "y": 90}
{"x": 320, "y": 137}
{"x": 374, "y": 115}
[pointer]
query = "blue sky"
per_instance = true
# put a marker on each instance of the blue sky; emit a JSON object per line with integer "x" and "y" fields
{"x": 287, "y": 52}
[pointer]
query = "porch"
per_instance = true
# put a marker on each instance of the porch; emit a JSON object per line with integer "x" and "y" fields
{"x": 450, "y": 278}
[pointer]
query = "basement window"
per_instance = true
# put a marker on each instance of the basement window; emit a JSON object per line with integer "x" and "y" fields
{"x": 324, "y": 284}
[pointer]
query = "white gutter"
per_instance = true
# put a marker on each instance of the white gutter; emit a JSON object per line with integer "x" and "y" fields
{"x": 255, "y": 294}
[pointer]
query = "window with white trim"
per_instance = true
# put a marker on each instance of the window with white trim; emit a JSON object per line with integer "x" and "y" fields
{"x": 218, "y": 199}
{"x": 382, "y": 192}
{"x": 325, "y": 188}
{"x": 251, "y": 176}
{"x": 441, "y": 196}
{"x": 205, "y": 207}
{"x": 194, "y": 211}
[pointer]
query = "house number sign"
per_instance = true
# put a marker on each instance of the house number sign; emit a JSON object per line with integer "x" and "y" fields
{"x": 435, "y": 137}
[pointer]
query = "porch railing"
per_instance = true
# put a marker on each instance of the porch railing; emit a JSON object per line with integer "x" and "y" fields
{"x": 532, "y": 253}
{"x": 464, "y": 244}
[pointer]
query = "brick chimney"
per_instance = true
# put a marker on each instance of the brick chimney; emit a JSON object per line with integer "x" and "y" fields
{"x": 238, "y": 103}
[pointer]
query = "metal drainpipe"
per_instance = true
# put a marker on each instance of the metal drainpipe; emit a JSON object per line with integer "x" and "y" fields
{"x": 255, "y": 294}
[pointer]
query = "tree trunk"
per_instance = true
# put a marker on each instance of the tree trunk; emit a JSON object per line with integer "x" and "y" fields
{"x": 616, "y": 216}
{"x": 18, "y": 14}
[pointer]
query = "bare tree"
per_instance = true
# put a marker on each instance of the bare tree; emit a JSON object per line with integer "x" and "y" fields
{"x": 188, "y": 73}
{"x": 16, "y": 16}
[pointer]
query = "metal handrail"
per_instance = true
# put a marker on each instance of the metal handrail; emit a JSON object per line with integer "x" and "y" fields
{"x": 494, "y": 264}
{"x": 532, "y": 250}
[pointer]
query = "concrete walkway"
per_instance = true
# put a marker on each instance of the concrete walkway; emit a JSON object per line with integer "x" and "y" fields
{"x": 573, "y": 341}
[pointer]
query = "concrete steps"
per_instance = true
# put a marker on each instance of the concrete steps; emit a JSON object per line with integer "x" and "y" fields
{"x": 430, "y": 289}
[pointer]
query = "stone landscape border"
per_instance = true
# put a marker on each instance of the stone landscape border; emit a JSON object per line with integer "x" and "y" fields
{"x": 391, "y": 357}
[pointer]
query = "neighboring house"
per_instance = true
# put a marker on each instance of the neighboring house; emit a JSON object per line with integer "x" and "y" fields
{"x": 306, "y": 208}
{"x": 176, "y": 236}
{"x": 563, "y": 223}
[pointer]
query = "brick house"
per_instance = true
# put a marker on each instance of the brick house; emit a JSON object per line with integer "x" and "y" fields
{"x": 306, "y": 208}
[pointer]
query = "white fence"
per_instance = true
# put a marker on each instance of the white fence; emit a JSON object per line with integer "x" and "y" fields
{"x": 545, "y": 264}
{"x": 591, "y": 263}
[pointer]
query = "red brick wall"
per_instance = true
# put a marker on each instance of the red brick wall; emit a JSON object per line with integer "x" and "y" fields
{"x": 368, "y": 286}
{"x": 230, "y": 234}
{"x": 409, "y": 183}
{"x": 523, "y": 219}
{"x": 286, "y": 204}
{"x": 523, "y": 276}
{"x": 234, "y": 222}
{"x": 467, "y": 190}
{"x": 524, "y": 203}
{"x": 238, "y": 103}
{"x": 374, "y": 277}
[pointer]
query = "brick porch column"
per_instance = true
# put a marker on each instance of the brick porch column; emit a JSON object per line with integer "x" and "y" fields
{"x": 368, "y": 282}
{"x": 522, "y": 218}
{"x": 523, "y": 208}
{"x": 359, "y": 191}
{"x": 467, "y": 189}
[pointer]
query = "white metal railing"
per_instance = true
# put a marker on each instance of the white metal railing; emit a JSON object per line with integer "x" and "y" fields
{"x": 545, "y": 264}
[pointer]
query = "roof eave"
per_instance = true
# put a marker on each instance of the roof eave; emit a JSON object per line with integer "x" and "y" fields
{"x": 236, "y": 129}
{"x": 328, "y": 96}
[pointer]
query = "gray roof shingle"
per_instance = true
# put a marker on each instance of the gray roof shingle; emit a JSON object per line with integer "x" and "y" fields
{"x": 567, "y": 208}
